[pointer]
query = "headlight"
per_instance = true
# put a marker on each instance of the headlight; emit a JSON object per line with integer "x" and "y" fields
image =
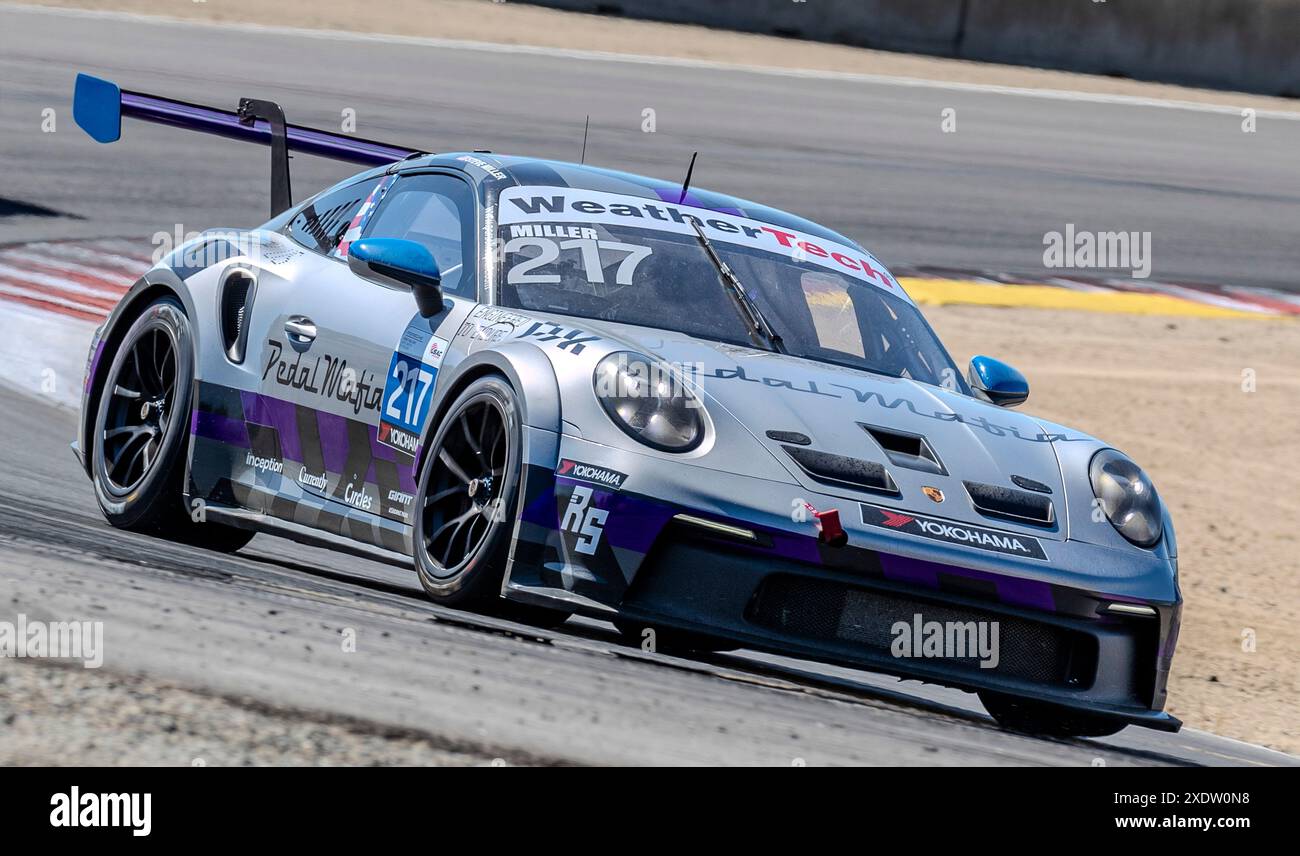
{"x": 1126, "y": 496}
{"x": 649, "y": 402}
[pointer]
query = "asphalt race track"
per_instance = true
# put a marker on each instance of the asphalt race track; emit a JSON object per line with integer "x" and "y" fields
{"x": 868, "y": 159}
{"x": 264, "y": 624}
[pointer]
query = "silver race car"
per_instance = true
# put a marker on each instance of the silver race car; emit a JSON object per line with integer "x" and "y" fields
{"x": 560, "y": 389}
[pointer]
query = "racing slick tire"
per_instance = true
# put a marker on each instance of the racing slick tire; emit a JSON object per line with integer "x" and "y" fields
{"x": 141, "y": 427}
{"x": 467, "y": 502}
{"x": 1045, "y": 719}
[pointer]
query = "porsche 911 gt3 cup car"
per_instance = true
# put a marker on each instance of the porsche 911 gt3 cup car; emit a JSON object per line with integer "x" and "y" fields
{"x": 560, "y": 389}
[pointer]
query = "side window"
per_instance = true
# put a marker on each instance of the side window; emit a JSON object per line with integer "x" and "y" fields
{"x": 437, "y": 211}
{"x": 834, "y": 320}
{"x": 322, "y": 223}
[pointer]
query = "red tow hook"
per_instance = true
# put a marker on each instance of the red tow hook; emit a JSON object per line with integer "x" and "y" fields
{"x": 829, "y": 530}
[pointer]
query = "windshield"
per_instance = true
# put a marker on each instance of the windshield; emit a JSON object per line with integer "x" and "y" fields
{"x": 574, "y": 252}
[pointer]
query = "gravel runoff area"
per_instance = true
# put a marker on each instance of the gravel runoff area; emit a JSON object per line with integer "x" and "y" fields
{"x": 53, "y": 714}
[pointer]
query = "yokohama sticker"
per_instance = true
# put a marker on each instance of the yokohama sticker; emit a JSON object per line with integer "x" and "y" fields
{"x": 578, "y": 471}
{"x": 936, "y": 529}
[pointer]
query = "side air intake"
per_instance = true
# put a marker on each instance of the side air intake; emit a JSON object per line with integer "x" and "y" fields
{"x": 841, "y": 470}
{"x": 236, "y": 303}
{"x": 1010, "y": 504}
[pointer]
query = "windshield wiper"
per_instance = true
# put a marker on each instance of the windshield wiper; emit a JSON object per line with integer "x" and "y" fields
{"x": 760, "y": 332}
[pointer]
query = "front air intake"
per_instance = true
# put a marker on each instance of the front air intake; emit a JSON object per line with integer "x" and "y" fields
{"x": 1008, "y": 503}
{"x": 841, "y": 470}
{"x": 236, "y": 303}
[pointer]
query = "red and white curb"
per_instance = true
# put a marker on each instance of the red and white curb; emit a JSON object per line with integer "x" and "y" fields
{"x": 82, "y": 279}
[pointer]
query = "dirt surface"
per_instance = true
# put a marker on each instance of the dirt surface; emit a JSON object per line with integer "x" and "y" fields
{"x": 521, "y": 24}
{"x": 1172, "y": 394}
{"x": 65, "y": 715}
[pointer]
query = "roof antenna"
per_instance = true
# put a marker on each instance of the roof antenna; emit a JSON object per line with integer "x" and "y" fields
{"x": 686, "y": 185}
{"x": 585, "y": 128}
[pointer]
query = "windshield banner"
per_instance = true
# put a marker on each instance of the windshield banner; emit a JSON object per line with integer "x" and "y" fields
{"x": 527, "y": 211}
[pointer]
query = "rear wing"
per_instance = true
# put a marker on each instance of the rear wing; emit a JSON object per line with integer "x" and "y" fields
{"x": 98, "y": 107}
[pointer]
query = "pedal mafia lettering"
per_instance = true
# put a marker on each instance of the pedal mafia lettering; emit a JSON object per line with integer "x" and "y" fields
{"x": 812, "y": 387}
{"x": 324, "y": 375}
{"x": 75, "y": 809}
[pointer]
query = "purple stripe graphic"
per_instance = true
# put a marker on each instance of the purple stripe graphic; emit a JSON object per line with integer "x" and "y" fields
{"x": 380, "y": 452}
{"x": 216, "y": 426}
{"x": 94, "y": 365}
{"x": 225, "y": 123}
{"x": 670, "y": 194}
{"x": 633, "y": 523}
{"x": 1018, "y": 592}
{"x": 280, "y": 415}
{"x": 333, "y": 441}
{"x": 541, "y": 511}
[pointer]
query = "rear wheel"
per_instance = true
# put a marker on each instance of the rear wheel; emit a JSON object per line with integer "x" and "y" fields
{"x": 468, "y": 499}
{"x": 1049, "y": 720}
{"x": 138, "y": 463}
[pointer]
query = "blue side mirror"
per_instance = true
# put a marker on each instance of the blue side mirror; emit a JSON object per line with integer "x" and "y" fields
{"x": 97, "y": 108}
{"x": 997, "y": 382}
{"x": 398, "y": 263}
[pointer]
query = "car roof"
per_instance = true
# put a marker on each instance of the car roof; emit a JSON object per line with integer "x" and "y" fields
{"x": 528, "y": 171}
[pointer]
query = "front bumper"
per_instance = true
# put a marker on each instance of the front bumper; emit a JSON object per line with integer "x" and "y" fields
{"x": 786, "y": 592}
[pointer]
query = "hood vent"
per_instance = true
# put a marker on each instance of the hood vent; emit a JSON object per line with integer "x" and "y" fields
{"x": 838, "y": 469}
{"x": 1030, "y": 484}
{"x": 906, "y": 450}
{"x": 1011, "y": 504}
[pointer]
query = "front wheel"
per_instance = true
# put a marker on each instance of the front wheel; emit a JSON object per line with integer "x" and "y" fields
{"x": 1045, "y": 719}
{"x": 468, "y": 499}
{"x": 138, "y": 460}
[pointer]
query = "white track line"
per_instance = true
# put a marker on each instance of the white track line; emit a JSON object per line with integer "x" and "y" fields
{"x": 18, "y": 275}
{"x": 115, "y": 278}
{"x": 643, "y": 59}
{"x": 46, "y": 297}
{"x": 132, "y": 265}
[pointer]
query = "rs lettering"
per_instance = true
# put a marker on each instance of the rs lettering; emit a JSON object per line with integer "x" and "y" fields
{"x": 584, "y": 521}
